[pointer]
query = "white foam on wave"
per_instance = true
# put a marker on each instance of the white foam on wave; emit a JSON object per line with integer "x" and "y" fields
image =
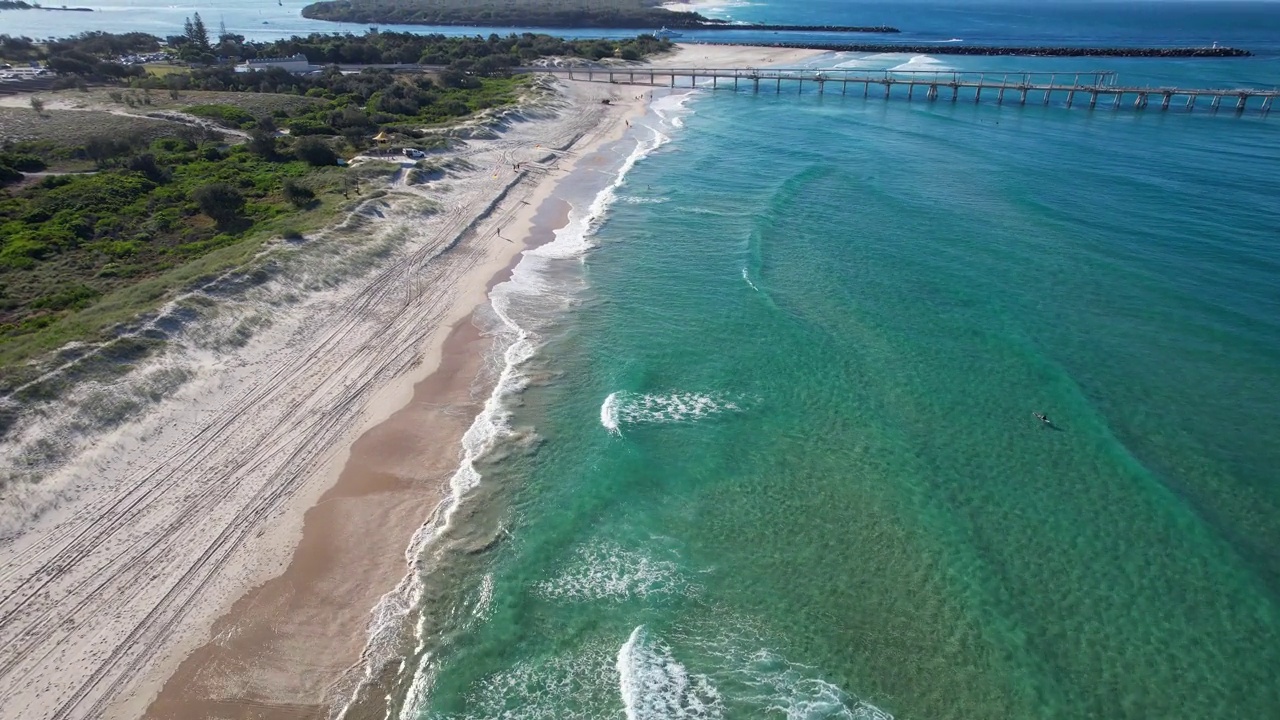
{"x": 609, "y": 413}
{"x": 570, "y": 685}
{"x": 895, "y": 62}
{"x": 671, "y": 109}
{"x": 491, "y": 424}
{"x": 485, "y": 600}
{"x": 605, "y": 571}
{"x": 698, "y": 210}
{"x": 918, "y": 63}
{"x": 747, "y": 276}
{"x": 632, "y": 408}
{"x": 641, "y": 200}
{"x": 654, "y": 686}
{"x": 733, "y": 651}
{"x": 790, "y": 690}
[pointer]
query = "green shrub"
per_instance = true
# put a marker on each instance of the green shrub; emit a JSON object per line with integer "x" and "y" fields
{"x": 22, "y": 162}
{"x": 22, "y": 250}
{"x": 262, "y": 143}
{"x": 8, "y": 175}
{"x": 228, "y": 115}
{"x": 315, "y": 152}
{"x": 74, "y": 297}
{"x": 219, "y": 201}
{"x": 298, "y": 195}
{"x": 300, "y": 127}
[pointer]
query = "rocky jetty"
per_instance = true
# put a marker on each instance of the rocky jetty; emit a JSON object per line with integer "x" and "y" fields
{"x": 705, "y": 24}
{"x": 953, "y": 49}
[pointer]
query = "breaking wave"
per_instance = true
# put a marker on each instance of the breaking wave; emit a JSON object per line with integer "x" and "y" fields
{"x": 606, "y": 571}
{"x": 654, "y": 686}
{"x": 631, "y": 408}
{"x": 528, "y": 284}
{"x": 642, "y": 200}
{"x": 760, "y": 683}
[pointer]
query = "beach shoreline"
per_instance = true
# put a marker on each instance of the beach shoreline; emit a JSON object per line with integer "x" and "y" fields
{"x": 316, "y": 614}
{"x": 225, "y": 552}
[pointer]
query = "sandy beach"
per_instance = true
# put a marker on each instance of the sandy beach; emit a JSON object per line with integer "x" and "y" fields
{"x": 221, "y": 556}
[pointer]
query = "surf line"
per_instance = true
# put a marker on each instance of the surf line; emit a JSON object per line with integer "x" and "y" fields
{"x": 489, "y": 426}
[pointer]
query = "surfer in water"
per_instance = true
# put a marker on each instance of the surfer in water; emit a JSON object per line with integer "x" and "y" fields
{"x": 1043, "y": 418}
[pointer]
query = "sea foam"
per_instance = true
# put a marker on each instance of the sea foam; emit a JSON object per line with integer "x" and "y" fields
{"x": 623, "y": 408}
{"x": 790, "y": 690}
{"x": 528, "y": 279}
{"x": 605, "y": 571}
{"x": 654, "y": 686}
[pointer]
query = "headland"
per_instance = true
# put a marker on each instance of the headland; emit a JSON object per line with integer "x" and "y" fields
{"x": 618, "y": 14}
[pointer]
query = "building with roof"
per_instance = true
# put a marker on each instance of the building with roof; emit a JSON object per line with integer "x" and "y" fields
{"x": 295, "y": 64}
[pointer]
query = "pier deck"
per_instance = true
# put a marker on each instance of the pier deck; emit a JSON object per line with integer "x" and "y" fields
{"x": 1021, "y": 88}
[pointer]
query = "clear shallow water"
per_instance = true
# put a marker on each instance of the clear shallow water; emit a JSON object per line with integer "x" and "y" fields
{"x": 785, "y": 462}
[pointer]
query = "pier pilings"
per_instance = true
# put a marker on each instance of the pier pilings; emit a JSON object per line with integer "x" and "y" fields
{"x": 1097, "y": 85}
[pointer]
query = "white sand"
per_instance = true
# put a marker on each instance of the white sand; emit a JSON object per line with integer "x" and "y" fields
{"x": 709, "y": 8}
{"x": 732, "y": 56}
{"x": 115, "y": 567}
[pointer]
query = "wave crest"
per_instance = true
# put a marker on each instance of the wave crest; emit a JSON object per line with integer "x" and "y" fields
{"x": 631, "y": 408}
{"x": 608, "y": 572}
{"x": 654, "y": 686}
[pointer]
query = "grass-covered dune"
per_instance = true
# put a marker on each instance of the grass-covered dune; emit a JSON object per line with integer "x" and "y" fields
{"x": 113, "y": 199}
{"x": 508, "y": 13}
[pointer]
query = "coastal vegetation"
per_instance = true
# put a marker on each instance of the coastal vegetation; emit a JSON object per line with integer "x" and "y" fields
{"x": 508, "y": 13}
{"x": 119, "y": 210}
{"x": 108, "y": 209}
{"x": 543, "y": 14}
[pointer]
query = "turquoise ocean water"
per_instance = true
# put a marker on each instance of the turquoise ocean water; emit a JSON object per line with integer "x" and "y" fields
{"x": 763, "y": 443}
{"x": 764, "y": 448}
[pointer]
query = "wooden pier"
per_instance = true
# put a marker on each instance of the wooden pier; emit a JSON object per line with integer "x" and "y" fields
{"x": 1075, "y": 88}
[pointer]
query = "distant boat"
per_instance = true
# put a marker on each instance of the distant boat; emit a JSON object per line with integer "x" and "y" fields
{"x": 665, "y": 33}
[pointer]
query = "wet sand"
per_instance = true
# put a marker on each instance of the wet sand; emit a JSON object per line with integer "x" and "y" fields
{"x": 279, "y": 650}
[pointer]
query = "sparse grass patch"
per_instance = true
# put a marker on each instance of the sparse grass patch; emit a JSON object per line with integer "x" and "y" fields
{"x": 163, "y": 69}
{"x": 70, "y": 128}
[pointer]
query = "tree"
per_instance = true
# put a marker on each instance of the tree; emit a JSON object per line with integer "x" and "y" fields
{"x": 314, "y": 151}
{"x": 37, "y": 104}
{"x": 147, "y": 165}
{"x": 197, "y": 34}
{"x": 263, "y": 143}
{"x": 8, "y": 175}
{"x": 297, "y": 195}
{"x": 202, "y": 34}
{"x": 101, "y": 148}
{"x": 219, "y": 201}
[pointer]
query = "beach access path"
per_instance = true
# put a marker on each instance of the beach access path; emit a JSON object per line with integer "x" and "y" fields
{"x": 229, "y": 546}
